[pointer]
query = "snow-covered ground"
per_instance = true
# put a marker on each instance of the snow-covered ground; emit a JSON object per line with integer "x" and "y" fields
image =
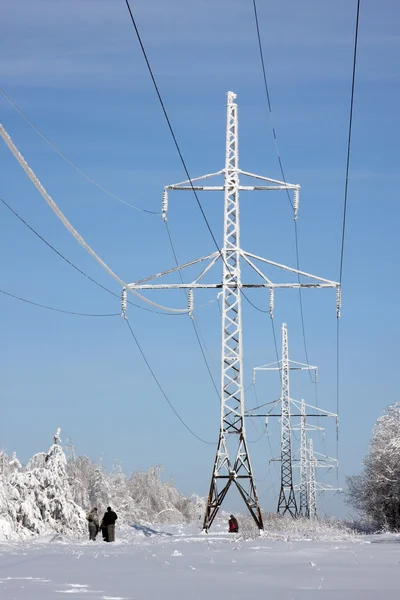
{"x": 181, "y": 563}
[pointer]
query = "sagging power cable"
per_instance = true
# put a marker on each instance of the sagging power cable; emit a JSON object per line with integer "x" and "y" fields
{"x": 59, "y": 310}
{"x": 67, "y": 160}
{"x": 346, "y": 188}
{"x": 60, "y": 215}
{"x": 268, "y": 96}
{"x": 178, "y": 149}
{"x": 71, "y": 264}
{"x": 161, "y": 388}
{"x": 193, "y": 319}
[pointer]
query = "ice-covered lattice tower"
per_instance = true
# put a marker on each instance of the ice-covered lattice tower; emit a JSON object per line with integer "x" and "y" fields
{"x": 232, "y": 462}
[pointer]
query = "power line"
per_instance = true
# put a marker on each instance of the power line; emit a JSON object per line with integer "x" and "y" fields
{"x": 162, "y": 389}
{"x": 71, "y": 264}
{"x": 67, "y": 312}
{"x": 349, "y": 139}
{"x": 169, "y": 124}
{"x": 53, "y": 147}
{"x": 353, "y": 79}
{"x": 60, "y": 215}
{"x": 179, "y": 150}
{"x": 193, "y": 320}
{"x": 283, "y": 176}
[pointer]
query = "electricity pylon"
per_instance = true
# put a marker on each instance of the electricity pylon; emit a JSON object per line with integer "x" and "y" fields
{"x": 316, "y": 460}
{"x": 304, "y": 508}
{"x": 312, "y": 488}
{"x": 232, "y": 462}
{"x": 292, "y": 408}
{"x": 287, "y": 499}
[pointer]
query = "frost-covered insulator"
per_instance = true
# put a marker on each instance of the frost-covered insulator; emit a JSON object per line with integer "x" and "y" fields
{"x": 164, "y": 205}
{"x": 271, "y": 302}
{"x": 338, "y": 301}
{"x": 124, "y": 302}
{"x": 190, "y": 298}
{"x": 296, "y": 203}
{"x": 266, "y": 422}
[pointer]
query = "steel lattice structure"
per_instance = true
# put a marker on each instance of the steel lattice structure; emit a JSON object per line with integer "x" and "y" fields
{"x": 304, "y": 506}
{"x": 292, "y": 409}
{"x": 287, "y": 499}
{"x": 312, "y": 487}
{"x": 232, "y": 462}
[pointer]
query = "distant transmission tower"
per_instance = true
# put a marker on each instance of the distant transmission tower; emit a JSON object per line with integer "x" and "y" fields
{"x": 287, "y": 499}
{"x": 232, "y": 461}
{"x": 312, "y": 487}
{"x": 304, "y": 508}
{"x": 290, "y": 409}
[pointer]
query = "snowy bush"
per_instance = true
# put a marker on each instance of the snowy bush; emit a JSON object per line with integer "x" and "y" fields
{"x": 159, "y": 501}
{"x": 43, "y": 500}
{"x": 286, "y": 528}
{"x": 4, "y": 464}
{"x": 53, "y": 495}
{"x": 375, "y": 492}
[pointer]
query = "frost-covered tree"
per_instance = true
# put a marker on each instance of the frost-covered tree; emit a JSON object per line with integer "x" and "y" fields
{"x": 157, "y": 500}
{"x": 53, "y": 495}
{"x": 80, "y": 471}
{"x": 38, "y": 461}
{"x": 121, "y": 499}
{"x": 4, "y": 464}
{"x": 14, "y": 464}
{"x": 99, "y": 489}
{"x": 42, "y": 498}
{"x": 375, "y": 493}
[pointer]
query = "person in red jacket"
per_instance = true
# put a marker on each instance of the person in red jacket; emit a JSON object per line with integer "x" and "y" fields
{"x": 233, "y": 524}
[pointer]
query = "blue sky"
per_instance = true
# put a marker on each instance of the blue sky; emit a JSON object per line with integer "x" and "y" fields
{"x": 75, "y": 68}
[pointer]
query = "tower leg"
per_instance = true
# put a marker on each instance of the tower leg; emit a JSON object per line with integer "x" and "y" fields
{"x": 240, "y": 475}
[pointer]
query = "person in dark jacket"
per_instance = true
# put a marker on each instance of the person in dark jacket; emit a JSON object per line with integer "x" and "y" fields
{"x": 108, "y": 525}
{"x": 233, "y": 524}
{"x": 93, "y": 519}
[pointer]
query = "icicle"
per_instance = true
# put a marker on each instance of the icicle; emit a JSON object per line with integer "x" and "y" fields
{"x": 338, "y": 301}
{"x": 296, "y": 202}
{"x": 164, "y": 205}
{"x": 190, "y": 298}
{"x": 124, "y": 302}
{"x": 266, "y": 422}
{"x": 271, "y": 302}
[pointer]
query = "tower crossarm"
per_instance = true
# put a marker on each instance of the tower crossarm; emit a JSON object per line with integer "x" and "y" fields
{"x": 187, "y": 185}
{"x": 328, "y": 282}
{"x": 177, "y": 186}
{"x": 316, "y": 409}
{"x": 285, "y": 185}
{"x": 220, "y": 188}
{"x": 211, "y": 257}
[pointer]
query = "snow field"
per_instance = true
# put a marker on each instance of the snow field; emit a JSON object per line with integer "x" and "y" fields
{"x": 181, "y": 563}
